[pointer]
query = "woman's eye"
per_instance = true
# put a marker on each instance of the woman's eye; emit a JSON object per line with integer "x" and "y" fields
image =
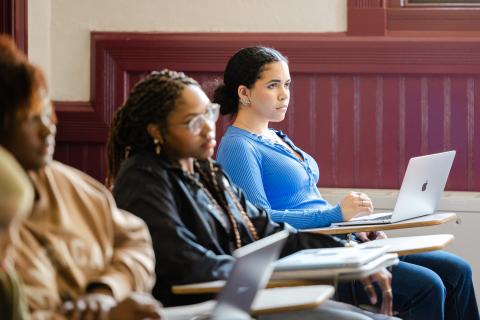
{"x": 287, "y": 85}
{"x": 272, "y": 86}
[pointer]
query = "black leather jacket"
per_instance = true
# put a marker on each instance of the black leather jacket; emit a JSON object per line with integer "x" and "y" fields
{"x": 191, "y": 245}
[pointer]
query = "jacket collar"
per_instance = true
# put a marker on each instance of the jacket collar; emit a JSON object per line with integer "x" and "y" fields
{"x": 173, "y": 166}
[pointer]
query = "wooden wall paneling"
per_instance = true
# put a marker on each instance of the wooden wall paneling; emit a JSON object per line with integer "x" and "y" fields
{"x": 360, "y": 105}
{"x": 459, "y": 133}
{"x": 412, "y": 117}
{"x": 379, "y": 114}
{"x": 61, "y": 152}
{"x": 474, "y": 138}
{"x": 311, "y": 115}
{"x": 368, "y": 112}
{"x": 436, "y": 103}
{"x": 343, "y": 133}
{"x": 88, "y": 157}
{"x": 326, "y": 92}
{"x": 299, "y": 115}
{"x": 392, "y": 168}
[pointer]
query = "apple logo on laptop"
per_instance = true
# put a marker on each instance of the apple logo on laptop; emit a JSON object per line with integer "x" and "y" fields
{"x": 424, "y": 186}
{"x": 242, "y": 290}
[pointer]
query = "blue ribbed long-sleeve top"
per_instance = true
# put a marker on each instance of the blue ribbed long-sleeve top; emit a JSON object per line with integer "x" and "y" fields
{"x": 276, "y": 179}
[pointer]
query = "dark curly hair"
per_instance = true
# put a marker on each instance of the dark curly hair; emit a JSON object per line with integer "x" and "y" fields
{"x": 243, "y": 68}
{"x": 20, "y": 82}
{"x": 150, "y": 101}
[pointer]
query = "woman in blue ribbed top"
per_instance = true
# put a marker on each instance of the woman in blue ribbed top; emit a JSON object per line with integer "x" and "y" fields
{"x": 280, "y": 177}
{"x": 259, "y": 165}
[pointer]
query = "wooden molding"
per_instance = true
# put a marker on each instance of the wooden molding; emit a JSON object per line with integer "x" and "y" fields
{"x": 14, "y": 15}
{"x": 394, "y": 17}
{"x": 434, "y": 19}
{"x": 366, "y": 18}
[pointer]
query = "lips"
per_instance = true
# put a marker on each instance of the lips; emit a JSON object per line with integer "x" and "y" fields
{"x": 47, "y": 148}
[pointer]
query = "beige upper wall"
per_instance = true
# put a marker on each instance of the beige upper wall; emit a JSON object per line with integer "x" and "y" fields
{"x": 39, "y": 17}
{"x": 59, "y": 30}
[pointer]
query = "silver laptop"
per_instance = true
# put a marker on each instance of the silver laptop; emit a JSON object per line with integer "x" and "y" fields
{"x": 250, "y": 273}
{"x": 421, "y": 189}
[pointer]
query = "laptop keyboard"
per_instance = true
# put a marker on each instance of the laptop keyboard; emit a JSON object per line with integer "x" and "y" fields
{"x": 385, "y": 217}
{"x": 380, "y": 217}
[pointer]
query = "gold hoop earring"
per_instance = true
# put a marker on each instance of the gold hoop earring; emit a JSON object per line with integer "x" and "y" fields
{"x": 158, "y": 146}
{"x": 127, "y": 151}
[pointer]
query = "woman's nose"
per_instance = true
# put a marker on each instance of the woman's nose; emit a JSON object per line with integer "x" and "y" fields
{"x": 48, "y": 128}
{"x": 208, "y": 126}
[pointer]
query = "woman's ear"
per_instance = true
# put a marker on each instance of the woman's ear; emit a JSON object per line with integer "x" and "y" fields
{"x": 244, "y": 95}
{"x": 154, "y": 132}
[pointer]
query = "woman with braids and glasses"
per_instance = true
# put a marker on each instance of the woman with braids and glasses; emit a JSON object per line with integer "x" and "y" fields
{"x": 282, "y": 178}
{"x": 159, "y": 150}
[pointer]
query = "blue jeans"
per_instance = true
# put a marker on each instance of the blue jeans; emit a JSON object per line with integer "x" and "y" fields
{"x": 435, "y": 285}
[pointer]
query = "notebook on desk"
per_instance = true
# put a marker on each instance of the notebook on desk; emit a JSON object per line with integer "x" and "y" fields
{"x": 341, "y": 257}
{"x": 422, "y": 187}
{"x": 333, "y": 263}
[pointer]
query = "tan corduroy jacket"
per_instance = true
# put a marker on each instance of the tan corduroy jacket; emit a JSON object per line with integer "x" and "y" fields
{"x": 75, "y": 237}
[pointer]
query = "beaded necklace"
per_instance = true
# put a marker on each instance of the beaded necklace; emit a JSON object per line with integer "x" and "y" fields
{"x": 231, "y": 217}
{"x": 246, "y": 219}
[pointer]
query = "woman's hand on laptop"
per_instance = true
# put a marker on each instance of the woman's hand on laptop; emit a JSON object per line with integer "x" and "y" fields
{"x": 371, "y": 235}
{"x": 355, "y": 204}
{"x": 384, "y": 281}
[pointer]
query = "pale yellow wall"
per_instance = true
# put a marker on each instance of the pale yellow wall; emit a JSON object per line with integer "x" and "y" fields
{"x": 39, "y": 19}
{"x": 59, "y": 30}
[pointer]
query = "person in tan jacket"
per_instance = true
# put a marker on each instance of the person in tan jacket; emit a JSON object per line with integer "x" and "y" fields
{"x": 78, "y": 255}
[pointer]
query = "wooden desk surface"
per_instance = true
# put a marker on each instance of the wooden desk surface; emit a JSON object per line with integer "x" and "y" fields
{"x": 425, "y": 221}
{"x": 290, "y": 299}
{"x": 215, "y": 286}
{"x": 267, "y": 301}
{"x": 416, "y": 244}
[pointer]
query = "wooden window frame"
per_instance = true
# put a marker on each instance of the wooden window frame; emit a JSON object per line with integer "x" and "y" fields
{"x": 401, "y": 18}
{"x": 408, "y": 3}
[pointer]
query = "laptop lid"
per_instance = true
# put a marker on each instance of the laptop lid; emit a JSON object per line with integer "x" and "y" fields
{"x": 250, "y": 273}
{"x": 421, "y": 189}
{"x": 422, "y": 185}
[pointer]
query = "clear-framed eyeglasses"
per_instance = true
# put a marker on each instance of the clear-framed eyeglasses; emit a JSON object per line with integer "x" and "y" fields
{"x": 195, "y": 125}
